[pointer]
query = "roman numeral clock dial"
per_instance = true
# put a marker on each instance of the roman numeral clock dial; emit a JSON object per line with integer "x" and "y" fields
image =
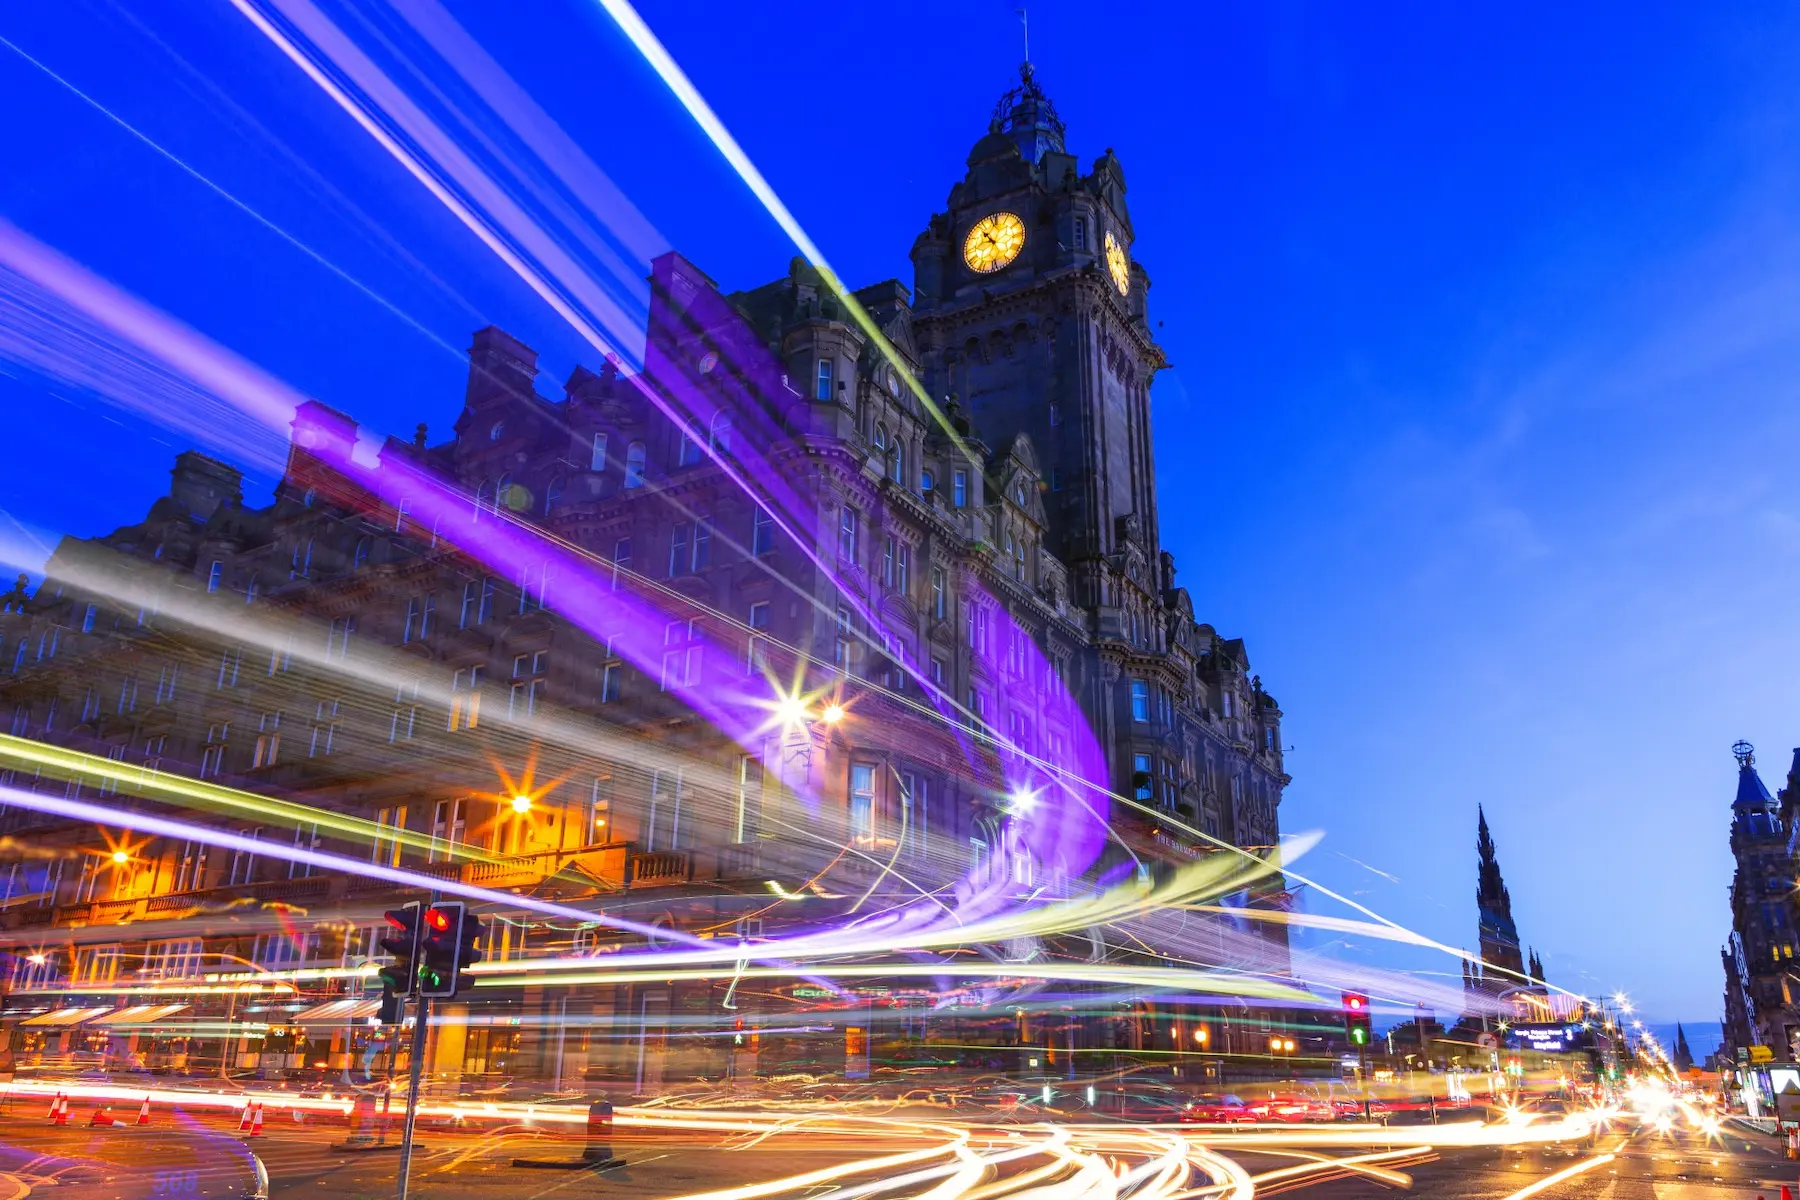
{"x": 994, "y": 242}
{"x": 1118, "y": 265}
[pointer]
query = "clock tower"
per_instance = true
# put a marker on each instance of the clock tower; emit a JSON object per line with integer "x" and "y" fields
{"x": 1031, "y": 313}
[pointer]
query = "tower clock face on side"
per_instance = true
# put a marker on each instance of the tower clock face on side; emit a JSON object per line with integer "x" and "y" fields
{"x": 1117, "y": 265}
{"x": 995, "y": 241}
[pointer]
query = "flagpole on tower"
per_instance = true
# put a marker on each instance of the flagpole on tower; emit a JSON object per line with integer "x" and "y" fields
{"x": 1025, "y": 27}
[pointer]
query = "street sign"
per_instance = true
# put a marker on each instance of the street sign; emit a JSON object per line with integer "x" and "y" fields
{"x": 1487, "y": 1041}
{"x": 1761, "y": 1054}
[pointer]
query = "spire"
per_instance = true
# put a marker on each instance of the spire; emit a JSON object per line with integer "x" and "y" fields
{"x": 1499, "y": 935}
{"x": 1752, "y": 796}
{"x": 1683, "y": 1057}
{"x": 1026, "y": 116}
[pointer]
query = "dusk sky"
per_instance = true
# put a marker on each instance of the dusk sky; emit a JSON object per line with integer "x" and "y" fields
{"x": 1485, "y": 333}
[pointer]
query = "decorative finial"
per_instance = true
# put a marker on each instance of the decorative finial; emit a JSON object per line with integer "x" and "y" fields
{"x": 419, "y": 436}
{"x": 1744, "y": 752}
{"x": 1025, "y": 29}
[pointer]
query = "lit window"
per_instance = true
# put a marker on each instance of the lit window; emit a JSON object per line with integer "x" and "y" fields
{"x": 465, "y": 698}
{"x": 823, "y": 389}
{"x": 597, "y": 457}
{"x": 1140, "y": 700}
{"x": 214, "y": 575}
{"x": 959, "y": 488}
{"x": 268, "y": 741}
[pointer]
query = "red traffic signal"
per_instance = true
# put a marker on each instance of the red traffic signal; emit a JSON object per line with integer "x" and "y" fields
{"x": 399, "y": 978}
{"x": 1355, "y": 1002}
{"x": 438, "y": 919}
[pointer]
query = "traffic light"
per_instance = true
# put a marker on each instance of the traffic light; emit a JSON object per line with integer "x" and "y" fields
{"x": 449, "y": 945}
{"x": 399, "y": 978}
{"x": 1357, "y": 1019}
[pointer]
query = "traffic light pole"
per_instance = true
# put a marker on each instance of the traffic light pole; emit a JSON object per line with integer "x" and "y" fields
{"x": 420, "y": 1024}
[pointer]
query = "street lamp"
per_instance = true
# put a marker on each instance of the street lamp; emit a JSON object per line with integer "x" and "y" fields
{"x": 833, "y": 714}
{"x": 521, "y": 803}
{"x": 121, "y": 857}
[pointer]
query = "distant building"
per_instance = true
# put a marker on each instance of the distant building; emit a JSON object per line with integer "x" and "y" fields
{"x": 1503, "y": 968}
{"x": 1762, "y": 1018}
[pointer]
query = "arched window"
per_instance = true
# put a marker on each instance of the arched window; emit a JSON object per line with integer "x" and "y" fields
{"x": 484, "y": 497}
{"x": 362, "y": 552}
{"x": 721, "y": 432}
{"x": 927, "y": 481}
{"x": 898, "y": 466}
{"x": 881, "y": 444}
{"x": 634, "y": 465}
{"x": 553, "y": 494}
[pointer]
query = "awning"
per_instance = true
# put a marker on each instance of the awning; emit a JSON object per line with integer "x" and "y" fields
{"x": 336, "y": 1012}
{"x": 140, "y": 1014}
{"x": 65, "y": 1017}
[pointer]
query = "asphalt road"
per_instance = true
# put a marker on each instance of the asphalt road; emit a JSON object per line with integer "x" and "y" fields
{"x": 204, "y": 1158}
{"x": 1645, "y": 1166}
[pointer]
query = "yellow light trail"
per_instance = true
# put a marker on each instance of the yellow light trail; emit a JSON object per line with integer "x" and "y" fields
{"x": 1567, "y": 1173}
{"x": 64, "y": 764}
{"x": 1163, "y": 977}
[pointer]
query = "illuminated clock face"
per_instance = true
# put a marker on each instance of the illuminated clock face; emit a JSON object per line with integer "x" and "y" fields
{"x": 1117, "y": 265}
{"x": 995, "y": 241}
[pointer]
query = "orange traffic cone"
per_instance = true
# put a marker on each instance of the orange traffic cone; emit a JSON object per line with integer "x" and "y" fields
{"x": 144, "y": 1112}
{"x": 1787, "y": 1193}
{"x": 56, "y": 1110}
{"x": 244, "y": 1119}
{"x": 256, "y": 1122}
{"x": 100, "y": 1117}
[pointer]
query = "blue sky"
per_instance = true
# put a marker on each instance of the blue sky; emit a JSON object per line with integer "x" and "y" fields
{"x": 1486, "y": 333}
